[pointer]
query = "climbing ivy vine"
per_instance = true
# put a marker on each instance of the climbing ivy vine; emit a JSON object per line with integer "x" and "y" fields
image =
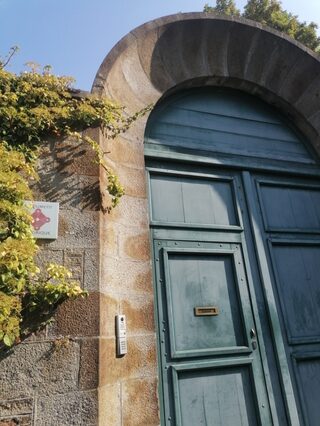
{"x": 34, "y": 107}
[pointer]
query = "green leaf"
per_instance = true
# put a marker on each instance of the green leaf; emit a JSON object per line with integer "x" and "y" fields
{"x": 8, "y": 340}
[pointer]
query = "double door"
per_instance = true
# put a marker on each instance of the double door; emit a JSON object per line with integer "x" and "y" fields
{"x": 238, "y": 295}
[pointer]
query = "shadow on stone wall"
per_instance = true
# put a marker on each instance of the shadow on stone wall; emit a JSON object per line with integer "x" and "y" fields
{"x": 69, "y": 175}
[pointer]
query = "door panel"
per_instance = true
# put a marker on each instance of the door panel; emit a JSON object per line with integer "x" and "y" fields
{"x": 290, "y": 207}
{"x": 298, "y": 286}
{"x": 219, "y": 121}
{"x": 308, "y": 378}
{"x": 201, "y": 354}
{"x": 176, "y": 198}
{"x": 216, "y": 395}
{"x": 204, "y": 279}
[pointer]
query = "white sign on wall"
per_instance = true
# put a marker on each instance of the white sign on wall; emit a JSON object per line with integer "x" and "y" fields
{"x": 45, "y": 219}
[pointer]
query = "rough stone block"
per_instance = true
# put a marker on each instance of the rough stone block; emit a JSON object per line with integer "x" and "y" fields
{"x": 126, "y": 152}
{"x": 140, "y": 403}
{"x": 147, "y": 56}
{"x": 126, "y": 276}
{"x": 139, "y": 313}
{"x": 119, "y": 82}
{"x": 172, "y": 67}
{"x": 93, "y": 133}
{"x": 309, "y": 102}
{"x": 39, "y": 335}
{"x": 91, "y": 269}
{"x": 14, "y": 421}
{"x": 16, "y": 407}
{"x": 240, "y": 53}
{"x": 90, "y": 193}
{"x": 77, "y": 158}
{"x": 135, "y": 245}
{"x": 137, "y": 131}
{"x": 44, "y": 367}
{"x": 300, "y": 77}
{"x": 131, "y": 211}
{"x": 315, "y": 121}
{"x": 110, "y": 405}
{"x": 136, "y": 79}
{"x": 45, "y": 256}
{"x": 139, "y": 362}
{"x": 193, "y": 47}
{"x": 110, "y": 238}
{"x": 77, "y": 229}
{"x": 133, "y": 180}
{"x": 74, "y": 260}
{"x": 79, "y": 317}
{"x": 70, "y": 190}
{"x": 68, "y": 175}
{"x": 138, "y": 309}
{"x": 89, "y": 364}
{"x": 76, "y": 408}
{"x": 59, "y": 187}
{"x": 109, "y": 308}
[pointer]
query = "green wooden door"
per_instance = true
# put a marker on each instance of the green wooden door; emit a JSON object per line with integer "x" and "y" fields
{"x": 210, "y": 354}
{"x": 235, "y": 221}
{"x": 285, "y": 214}
{"x": 211, "y": 364}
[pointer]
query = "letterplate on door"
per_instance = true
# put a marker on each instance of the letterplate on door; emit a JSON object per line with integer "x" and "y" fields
{"x": 204, "y": 311}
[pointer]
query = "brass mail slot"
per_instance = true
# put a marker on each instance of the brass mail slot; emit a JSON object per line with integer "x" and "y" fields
{"x": 202, "y": 311}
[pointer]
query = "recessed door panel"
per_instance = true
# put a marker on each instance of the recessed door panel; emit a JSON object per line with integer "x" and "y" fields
{"x": 308, "y": 376}
{"x": 216, "y": 121}
{"x": 298, "y": 285}
{"x": 204, "y": 302}
{"x": 291, "y": 208}
{"x": 223, "y": 396}
{"x": 182, "y": 199}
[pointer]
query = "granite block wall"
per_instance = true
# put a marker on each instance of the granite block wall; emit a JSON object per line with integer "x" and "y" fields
{"x": 52, "y": 377}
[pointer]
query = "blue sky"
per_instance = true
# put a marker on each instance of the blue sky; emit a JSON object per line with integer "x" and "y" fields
{"x": 75, "y": 35}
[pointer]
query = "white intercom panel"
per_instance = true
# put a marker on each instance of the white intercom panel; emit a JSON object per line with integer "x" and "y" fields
{"x": 121, "y": 334}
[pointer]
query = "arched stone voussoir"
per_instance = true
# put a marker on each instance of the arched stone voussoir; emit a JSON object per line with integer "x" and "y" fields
{"x": 174, "y": 51}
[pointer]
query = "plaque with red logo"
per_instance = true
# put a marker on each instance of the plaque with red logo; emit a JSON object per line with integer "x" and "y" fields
{"x": 44, "y": 219}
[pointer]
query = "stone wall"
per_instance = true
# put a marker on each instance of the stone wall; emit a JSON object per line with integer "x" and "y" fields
{"x": 52, "y": 378}
{"x": 128, "y": 385}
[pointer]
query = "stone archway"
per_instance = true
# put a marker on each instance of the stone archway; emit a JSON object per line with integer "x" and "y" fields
{"x": 154, "y": 60}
